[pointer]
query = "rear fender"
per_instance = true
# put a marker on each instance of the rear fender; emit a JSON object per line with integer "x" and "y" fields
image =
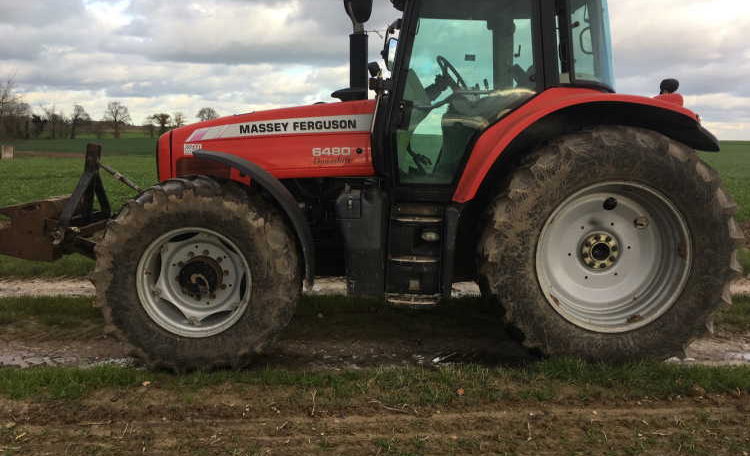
{"x": 564, "y": 110}
{"x": 281, "y": 194}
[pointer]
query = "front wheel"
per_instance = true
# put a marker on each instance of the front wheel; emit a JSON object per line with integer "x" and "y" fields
{"x": 198, "y": 274}
{"x": 616, "y": 244}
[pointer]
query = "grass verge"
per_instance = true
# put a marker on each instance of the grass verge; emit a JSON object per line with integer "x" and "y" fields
{"x": 549, "y": 380}
{"x": 54, "y": 312}
{"x": 743, "y": 255}
{"x": 71, "y": 266}
{"x": 735, "y": 318}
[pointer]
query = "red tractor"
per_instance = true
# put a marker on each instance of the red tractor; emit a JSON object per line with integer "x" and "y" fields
{"x": 496, "y": 151}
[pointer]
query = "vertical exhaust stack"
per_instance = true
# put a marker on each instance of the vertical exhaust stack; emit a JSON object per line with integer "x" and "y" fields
{"x": 359, "y": 12}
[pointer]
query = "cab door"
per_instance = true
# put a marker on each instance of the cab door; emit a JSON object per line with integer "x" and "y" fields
{"x": 459, "y": 71}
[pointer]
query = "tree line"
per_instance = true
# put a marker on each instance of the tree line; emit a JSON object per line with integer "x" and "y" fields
{"x": 19, "y": 121}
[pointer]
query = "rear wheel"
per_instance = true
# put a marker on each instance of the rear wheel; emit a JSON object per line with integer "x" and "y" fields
{"x": 196, "y": 273}
{"x": 617, "y": 243}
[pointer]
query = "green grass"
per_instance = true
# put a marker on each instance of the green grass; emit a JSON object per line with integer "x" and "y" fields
{"x": 743, "y": 255}
{"x": 733, "y": 163}
{"x": 73, "y": 266}
{"x": 544, "y": 381}
{"x": 50, "y": 311}
{"x": 735, "y": 318}
{"x": 128, "y": 144}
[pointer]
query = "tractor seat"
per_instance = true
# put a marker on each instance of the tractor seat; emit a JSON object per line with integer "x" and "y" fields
{"x": 479, "y": 114}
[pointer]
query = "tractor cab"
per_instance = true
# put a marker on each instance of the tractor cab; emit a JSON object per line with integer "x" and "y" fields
{"x": 456, "y": 71}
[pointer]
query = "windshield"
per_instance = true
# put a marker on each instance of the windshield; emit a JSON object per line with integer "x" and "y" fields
{"x": 588, "y": 21}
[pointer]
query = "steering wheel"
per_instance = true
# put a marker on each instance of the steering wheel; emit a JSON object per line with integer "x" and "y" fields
{"x": 455, "y": 81}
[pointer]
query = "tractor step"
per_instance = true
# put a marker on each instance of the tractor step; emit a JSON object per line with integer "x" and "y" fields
{"x": 415, "y": 301}
{"x": 415, "y": 254}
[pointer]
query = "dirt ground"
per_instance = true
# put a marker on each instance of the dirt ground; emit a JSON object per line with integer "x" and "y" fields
{"x": 233, "y": 422}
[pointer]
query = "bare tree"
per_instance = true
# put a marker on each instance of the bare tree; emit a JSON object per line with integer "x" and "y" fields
{"x": 178, "y": 120}
{"x": 55, "y": 120}
{"x": 117, "y": 115}
{"x": 162, "y": 120}
{"x": 12, "y": 109}
{"x": 8, "y": 97}
{"x": 79, "y": 118}
{"x": 148, "y": 127}
{"x": 207, "y": 114}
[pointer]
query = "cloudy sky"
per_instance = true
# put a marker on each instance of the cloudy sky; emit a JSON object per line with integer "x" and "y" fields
{"x": 244, "y": 55}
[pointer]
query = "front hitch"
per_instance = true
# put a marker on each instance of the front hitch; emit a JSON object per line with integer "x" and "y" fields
{"x": 47, "y": 229}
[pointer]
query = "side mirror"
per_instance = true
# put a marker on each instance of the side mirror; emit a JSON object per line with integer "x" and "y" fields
{"x": 389, "y": 53}
{"x": 358, "y": 10}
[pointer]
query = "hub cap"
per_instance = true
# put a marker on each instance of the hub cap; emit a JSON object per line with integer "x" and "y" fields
{"x": 194, "y": 282}
{"x": 614, "y": 257}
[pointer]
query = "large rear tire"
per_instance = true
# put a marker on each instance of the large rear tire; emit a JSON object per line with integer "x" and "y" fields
{"x": 612, "y": 244}
{"x": 198, "y": 274}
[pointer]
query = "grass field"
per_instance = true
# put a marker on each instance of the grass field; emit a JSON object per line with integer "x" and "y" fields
{"x": 30, "y": 178}
{"x": 127, "y": 145}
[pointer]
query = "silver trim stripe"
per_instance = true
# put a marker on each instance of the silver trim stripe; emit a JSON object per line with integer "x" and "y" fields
{"x": 296, "y": 126}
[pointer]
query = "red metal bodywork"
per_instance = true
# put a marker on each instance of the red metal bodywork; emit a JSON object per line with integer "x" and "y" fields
{"x": 497, "y": 138}
{"x": 287, "y": 154}
{"x": 290, "y": 153}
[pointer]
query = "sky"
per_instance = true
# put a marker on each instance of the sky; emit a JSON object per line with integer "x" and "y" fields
{"x": 248, "y": 55}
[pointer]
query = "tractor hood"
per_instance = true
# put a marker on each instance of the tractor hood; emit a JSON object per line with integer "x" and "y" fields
{"x": 320, "y": 140}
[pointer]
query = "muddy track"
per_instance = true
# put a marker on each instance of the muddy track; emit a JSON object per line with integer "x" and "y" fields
{"x": 348, "y": 338}
{"x": 145, "y": 423}
{"x": 325, "y": 286}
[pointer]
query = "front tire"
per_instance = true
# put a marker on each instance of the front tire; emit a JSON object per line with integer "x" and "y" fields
{"x": 198, "y": 274}
{"x": 612, "y": 244}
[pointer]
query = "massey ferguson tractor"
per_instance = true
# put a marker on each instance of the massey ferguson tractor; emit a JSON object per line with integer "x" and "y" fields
{"x": 496, "y": 150}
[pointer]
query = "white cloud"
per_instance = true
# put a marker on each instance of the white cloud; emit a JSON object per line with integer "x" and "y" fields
{"x": 243, "y": 55}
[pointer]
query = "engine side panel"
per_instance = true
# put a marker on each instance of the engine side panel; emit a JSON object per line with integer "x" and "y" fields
{"x": 323, "y": 140}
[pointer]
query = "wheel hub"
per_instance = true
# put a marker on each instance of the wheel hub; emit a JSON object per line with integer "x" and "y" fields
{"x": 194, "y": 282}
{"x": 201, "y": 277}
{"x": 600, "y": 251}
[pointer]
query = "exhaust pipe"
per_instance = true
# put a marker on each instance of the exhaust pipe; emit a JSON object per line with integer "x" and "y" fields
{"x": 359, "y": 12}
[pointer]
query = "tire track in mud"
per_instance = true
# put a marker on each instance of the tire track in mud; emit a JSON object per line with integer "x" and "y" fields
{"x": 525, "y": 428}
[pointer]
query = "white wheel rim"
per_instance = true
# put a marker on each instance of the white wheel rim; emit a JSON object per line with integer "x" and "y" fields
{"x": 194, "y": 282}
{"x": 614, "y": 257}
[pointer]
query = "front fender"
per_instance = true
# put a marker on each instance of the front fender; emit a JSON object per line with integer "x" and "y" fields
{"x": 283, "y": 197}
{"x": 563, "y": 110}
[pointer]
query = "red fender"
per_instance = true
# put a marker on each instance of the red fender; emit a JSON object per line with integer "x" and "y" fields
{"x": 498, "y": 137}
